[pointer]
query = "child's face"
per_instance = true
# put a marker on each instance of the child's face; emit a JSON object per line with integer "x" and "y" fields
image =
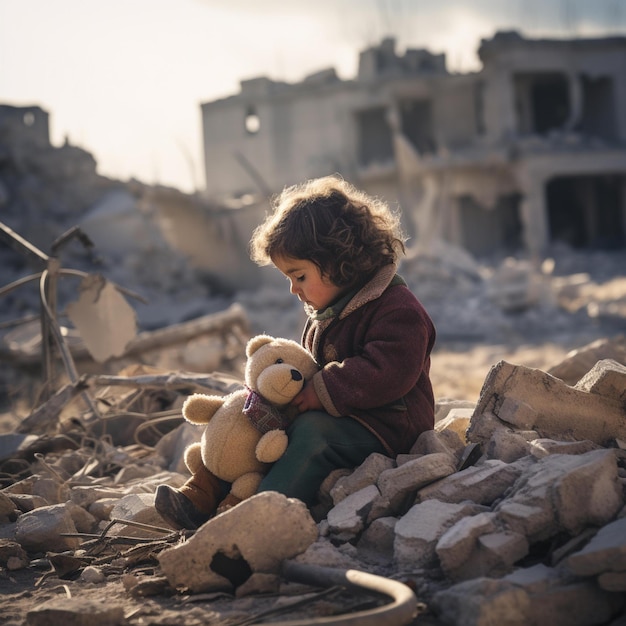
{"x": 307, "y": 282}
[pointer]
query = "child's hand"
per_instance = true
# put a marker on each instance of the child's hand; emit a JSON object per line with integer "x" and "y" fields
{"x": 307, "y": 400}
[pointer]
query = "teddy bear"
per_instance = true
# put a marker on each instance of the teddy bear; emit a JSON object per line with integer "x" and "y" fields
{"x": 244, "y": 433}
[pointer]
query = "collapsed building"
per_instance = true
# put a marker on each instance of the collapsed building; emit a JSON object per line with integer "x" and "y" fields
{"x": 528, "y": 151}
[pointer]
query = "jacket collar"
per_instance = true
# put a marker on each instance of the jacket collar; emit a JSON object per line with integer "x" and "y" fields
{"x": 355, "y": 299}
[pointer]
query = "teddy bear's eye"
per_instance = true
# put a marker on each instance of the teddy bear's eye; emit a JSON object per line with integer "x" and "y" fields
{"x": 279, "y": 361}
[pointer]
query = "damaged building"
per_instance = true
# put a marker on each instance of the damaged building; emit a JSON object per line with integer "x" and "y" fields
{"x": 526, "y": 152}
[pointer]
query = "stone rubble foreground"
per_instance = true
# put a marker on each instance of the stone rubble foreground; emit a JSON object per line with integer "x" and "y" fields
{"x": 532, "y": 532}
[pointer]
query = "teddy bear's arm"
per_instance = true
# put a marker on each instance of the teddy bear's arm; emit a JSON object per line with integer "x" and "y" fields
{"x": 271, "y": 446}
{"x": 199, "y": 408}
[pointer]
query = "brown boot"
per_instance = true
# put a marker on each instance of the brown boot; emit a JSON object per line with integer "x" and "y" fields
{"x": 191, "y": 505}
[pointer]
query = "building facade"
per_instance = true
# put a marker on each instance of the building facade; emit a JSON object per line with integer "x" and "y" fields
{"x": 527, "y": 151}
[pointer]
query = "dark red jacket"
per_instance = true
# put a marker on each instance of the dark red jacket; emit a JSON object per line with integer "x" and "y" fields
{"x": 375, "y": 361}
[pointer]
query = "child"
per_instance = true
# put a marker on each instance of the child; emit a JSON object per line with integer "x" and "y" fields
{"x": 339, "y": 248}
{"x": 372, "y": 338}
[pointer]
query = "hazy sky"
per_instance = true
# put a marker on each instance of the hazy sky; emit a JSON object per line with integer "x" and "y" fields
{"x": 124, "y": 79}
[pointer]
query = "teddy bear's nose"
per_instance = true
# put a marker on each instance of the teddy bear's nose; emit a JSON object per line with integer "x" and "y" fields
{"x": 296, "y": 375}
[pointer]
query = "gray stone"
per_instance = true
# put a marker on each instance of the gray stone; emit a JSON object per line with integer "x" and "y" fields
{"x": 564, "y": 492}
{"x": 517, "y": 413}
{"x": 482, "y": 484}
{"x": 395, "y": 484}
{"x": 447, "y": 441}
{"x": 363, "y": 476}
{"x": 483, "y": 602}
{"x": 350, "y": 514}
{"x": 606, "y": 552}
{"x": 42, "y": 530}
{"x": 562, "y": 411}
{"x": 418, "y": 532}
{"x": 138, "y": 507}
{"x": 607, "y": 378}
{"x": 509, "y": 445}
{"x": 377, "y": 540}
{"x": 457, "y": 543}
{"x": 543, "y": 447}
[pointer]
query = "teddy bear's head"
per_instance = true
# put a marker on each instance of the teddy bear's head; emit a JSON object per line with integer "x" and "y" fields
{"x": 277, "y": 368}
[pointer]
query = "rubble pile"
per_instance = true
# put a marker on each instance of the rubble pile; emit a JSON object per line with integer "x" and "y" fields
{"x": 511, "y": 511}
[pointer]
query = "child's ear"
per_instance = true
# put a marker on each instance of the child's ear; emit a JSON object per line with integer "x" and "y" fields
{"x": 256, "y": 342}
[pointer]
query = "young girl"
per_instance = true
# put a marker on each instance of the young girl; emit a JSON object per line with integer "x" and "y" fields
{"x": 372, "y": 338}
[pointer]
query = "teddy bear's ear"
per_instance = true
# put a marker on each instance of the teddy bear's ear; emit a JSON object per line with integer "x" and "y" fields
{"x": 256, "y": 342}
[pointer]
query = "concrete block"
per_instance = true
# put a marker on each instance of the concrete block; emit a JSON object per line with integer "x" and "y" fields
{"x": 395, "y": 484}
{"x": 457, "y": 420}
{"x": 432, "y": 441}
{"x": 607, "y": 378}
{"x": 418, "y": 532}
{"x": 544, "y": 447}
{"x": 254, "y": 536}
{"x": 377, "y": 540}
{"x": 517, "y": 413}
{"x": 52, "y": 491}
{"x": 42, "y": 530}
{"x": 482, "y": 484}
{"x": 564, "y": 492}
{"x": 561, "y": 410}
{"x": 137, "y": 508}
{"x": 606, "y": 552}
{"x": 457, "y": 543}
{"x": 363, "y": 476}
{"x": 509, "y": 445}
{"x": 349, "y": 515}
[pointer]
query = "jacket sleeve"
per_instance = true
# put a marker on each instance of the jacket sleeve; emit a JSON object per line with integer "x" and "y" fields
{"x": 393, "y": 355}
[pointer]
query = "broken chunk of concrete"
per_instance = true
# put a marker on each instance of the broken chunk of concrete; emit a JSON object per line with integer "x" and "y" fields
{"x": 366, "y": 474}
{"x": 418, "y": 532}
{"x": 457, "y": 420}
{"x": 562, "y": 412}
{"x": 483, "y": 602}
{"x": 482, "y": 484}
{"x": 348, "y": 517}
{"x": 432, "y": 441}
{"x": 606, "y": 552}
{"x": 254, "y": 536}
{"x": 43, "y": 529}
{"x": 12, "y": 555}
{"x": 509, "y": 445}
{"x": 376, "y": 542}
{"x": 564, "y": 492}
{"x": 8, "y": 508}
{"x": 138, "y": 507}
{"x": 394, "y": 484}
{"x": 606, "y": 378}
{"x": 543, "y": 447}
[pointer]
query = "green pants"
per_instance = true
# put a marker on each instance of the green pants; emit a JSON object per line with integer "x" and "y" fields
{"x": 318, "y": 444}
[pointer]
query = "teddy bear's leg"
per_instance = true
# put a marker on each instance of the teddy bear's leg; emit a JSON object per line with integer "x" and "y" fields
{"x": 195, "y": 502}
{"x": 244, "y": 487}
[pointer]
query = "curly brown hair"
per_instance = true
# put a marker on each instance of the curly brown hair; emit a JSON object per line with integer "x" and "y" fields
{"x": 348, "y": 234}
